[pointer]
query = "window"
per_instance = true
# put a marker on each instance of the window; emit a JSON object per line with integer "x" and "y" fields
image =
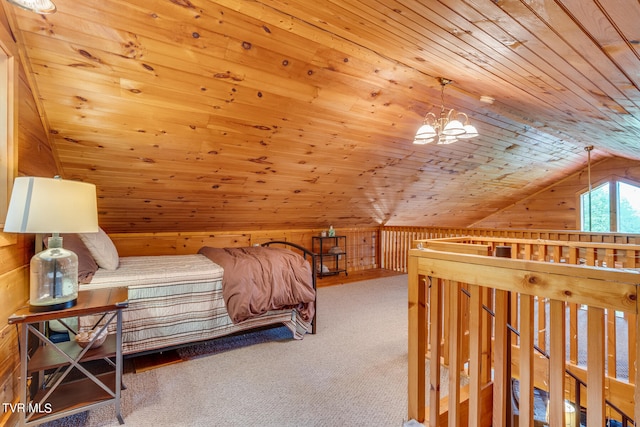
{"x": 611, "y": 206}
{"x": 595, "y": 209}
{"x": 628, "y": 208}
{"x": 6, "y": 95}
{"x": 8, "y": 126}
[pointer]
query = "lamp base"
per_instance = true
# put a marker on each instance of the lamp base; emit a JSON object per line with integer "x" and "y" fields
{"x": 40, "y": 308}
{"x": 53, "y": 278}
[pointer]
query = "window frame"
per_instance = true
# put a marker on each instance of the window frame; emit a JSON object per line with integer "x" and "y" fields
{"x": 612, "y": 182}
{"x": 9, "y": 73}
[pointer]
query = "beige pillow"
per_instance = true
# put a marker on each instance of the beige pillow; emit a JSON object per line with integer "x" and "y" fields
{"x": 102, "y": 249}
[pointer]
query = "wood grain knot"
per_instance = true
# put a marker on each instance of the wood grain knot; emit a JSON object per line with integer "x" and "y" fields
{"x": 567, "y": 293}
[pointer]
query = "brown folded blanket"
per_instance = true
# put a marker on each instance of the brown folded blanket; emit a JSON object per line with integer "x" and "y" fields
{"x": 258, "y": 279}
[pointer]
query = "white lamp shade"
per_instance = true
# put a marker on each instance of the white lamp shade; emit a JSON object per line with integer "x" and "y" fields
{"x": 423, "y": 141}
{"x": 470, "y": 132}
{"x": 426, "y": 132}
{"x": 37, "y": 6}
{"x": 52, "y": 205}
{"x": 453, "y": 128}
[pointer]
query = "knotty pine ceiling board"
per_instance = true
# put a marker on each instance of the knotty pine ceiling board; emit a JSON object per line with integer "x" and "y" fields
{"x": 236, "y": 114}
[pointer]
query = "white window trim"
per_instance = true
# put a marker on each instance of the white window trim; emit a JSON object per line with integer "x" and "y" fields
{"x": 8, "y": 127}
{"x": 612, "y": 181}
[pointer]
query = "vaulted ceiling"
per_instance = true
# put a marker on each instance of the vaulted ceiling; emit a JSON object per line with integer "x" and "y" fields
{"x": 245, "y": 114}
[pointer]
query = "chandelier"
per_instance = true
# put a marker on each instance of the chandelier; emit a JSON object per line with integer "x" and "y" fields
{"x": 37, "y": 6}
{"x": 447, "y": 128}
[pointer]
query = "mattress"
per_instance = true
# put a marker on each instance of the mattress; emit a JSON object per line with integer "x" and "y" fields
{"x": 174, "y": 300}
{"x": 162, "y": 270}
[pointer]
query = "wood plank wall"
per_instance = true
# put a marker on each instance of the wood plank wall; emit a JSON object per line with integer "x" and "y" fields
{"x": 362, "y": 243}
{"x": 557, "y": 207}
{"x": 34, "y": 157}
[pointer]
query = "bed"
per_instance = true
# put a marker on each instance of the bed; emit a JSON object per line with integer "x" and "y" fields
{"x": 180, "y": 299}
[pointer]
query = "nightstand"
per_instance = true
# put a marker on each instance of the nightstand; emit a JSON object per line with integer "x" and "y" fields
{"x": 332, "y": 254}
{"x": 57, "y": 394}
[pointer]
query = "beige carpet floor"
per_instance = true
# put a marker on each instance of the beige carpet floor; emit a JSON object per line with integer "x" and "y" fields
{"x": 353, "y": 372}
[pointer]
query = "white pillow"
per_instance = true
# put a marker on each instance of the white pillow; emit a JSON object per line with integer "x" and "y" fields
{"x": 102, "y": 249}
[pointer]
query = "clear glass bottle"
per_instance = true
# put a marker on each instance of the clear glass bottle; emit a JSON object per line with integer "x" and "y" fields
{"x": 54, "y": 278}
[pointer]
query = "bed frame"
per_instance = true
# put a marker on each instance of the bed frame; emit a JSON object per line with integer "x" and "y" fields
{"x": 311, "y": 257}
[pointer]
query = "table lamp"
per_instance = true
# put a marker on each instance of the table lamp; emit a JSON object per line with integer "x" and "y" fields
{"x": 52, "y": 205}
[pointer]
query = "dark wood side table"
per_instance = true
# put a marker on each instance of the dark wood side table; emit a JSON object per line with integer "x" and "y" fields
{"x": 55, "y": 397}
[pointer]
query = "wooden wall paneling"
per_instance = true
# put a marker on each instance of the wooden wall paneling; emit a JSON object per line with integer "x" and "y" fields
{"x": 14, "y": 293}
{"x": 150, "y": 88}
{"x": 361, "y": 251}
{"x": 9, "y": 371}
{"x": 557, "y": 206}
{"x": 34, "y": 156}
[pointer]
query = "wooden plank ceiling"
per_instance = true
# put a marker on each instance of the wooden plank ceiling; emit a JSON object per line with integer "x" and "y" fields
{"x": 239, "y": 114}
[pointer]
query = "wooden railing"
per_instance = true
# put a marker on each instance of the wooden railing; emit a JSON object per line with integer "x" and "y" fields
{"x": 395, "y": 241}
{"x": 543, "y": 284}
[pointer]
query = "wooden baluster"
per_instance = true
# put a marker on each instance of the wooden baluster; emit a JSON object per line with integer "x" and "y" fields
{"x": 557, "y": 357}
{"x": 632, "y": 334}
{"x": 631, "y": 259}
{"x": 573, "y": 333}
{"x": 455, "y": 353}
{"x": 595, "y": 367}
{"x": 416, "y": 345}
{"x": 502, "y": 362}
{"x": 475, "y": 354}
{"x": 573, "y": 256}
{"x": 446, "y": 320}
{"x": 636, "y": 397}
{"x": 485, "y": 364}
{"x": 465, "y": 312}
{"x": 612, "y": 370}
{"x": 528, "y": 251}
{"x": 610, "y": 257}
{"x": 525, "y": 407}
{"x": 434, "y": 361}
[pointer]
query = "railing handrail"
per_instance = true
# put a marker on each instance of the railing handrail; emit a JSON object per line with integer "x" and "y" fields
{"x": 545, "y": 242}
{"x": 622, "y": 297}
